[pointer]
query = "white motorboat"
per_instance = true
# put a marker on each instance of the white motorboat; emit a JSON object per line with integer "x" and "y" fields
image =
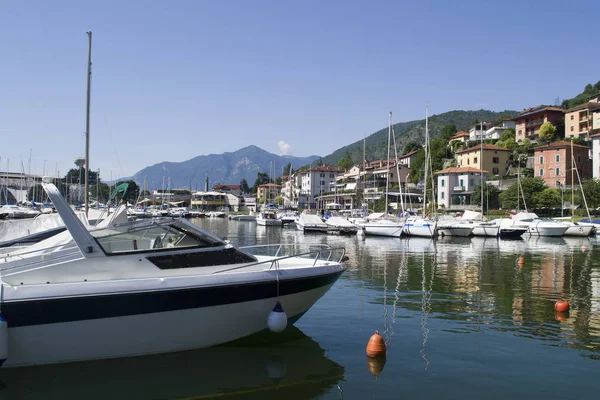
{"x": 242, "y": 217}
{"x": 480, "y": 227}
{"x": 340, "y": 226}
{"x": 452, "y": 227}
{"x": 310, "y": 223}
{"x": 381, "y": 224}
{"x": 178, "y": 212}
{"x": 420, "y": 227}
{"x": 288, "y": 217}
{"x": 268, "y": 217}
{"x": 540, "y": 226}
{"x": 578, "y": 228}
{"x": 144, "y": 287}
{"x": 11, "y": 211}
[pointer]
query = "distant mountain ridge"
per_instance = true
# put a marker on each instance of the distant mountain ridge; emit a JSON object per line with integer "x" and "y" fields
{"x": 376, "y": 143}
{"x": 226, "y": 168}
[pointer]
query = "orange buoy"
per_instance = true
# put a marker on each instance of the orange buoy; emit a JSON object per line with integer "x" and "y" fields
{"x": 583, "y": 249}
{"x": 376, "y": 346}
{"x": 375, "y": 365}
{"x": 562, "y": 306}
{"x": 521, "y": 261}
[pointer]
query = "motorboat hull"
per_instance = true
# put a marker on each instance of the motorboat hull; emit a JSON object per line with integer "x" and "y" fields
{"x": 93, "y": 327}
{"x": 420, "y": 228}
{"x": 268, "y": 222}
{"x": 451, "y": 230}
{"x": 579, "y": 229}
{"x": 391, "y": 230}
{"x": 512, "y": 232}
{"x": 486, "y": 230}
{"x": 547, "y": 229}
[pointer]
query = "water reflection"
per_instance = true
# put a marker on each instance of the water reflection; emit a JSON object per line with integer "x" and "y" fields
{"x": 289, "y": 365}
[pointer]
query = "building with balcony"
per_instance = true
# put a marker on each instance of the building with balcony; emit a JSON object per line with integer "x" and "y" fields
{"x": 529, "y": 121}
{"x": 226, "y": 188}
{"x": 461, "y": 137}
{"x": 313, "y": 182}
{"x": 494, "y": 158}
{"x": 579, "y": 120}
{"x": 496, "y": 132}
{"x": 553, "y": 163}
{"x": 455, "y": 185}
{"x": 268, "y": 192}
{"x": 478, "y": 131}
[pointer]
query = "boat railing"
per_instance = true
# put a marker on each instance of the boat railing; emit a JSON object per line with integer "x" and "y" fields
{"x": 315, "y": 252}
{"x": 31, "y": 258}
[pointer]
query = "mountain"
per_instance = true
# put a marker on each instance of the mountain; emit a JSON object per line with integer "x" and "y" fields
{"x": 376, "y": 143}
{"x": 229, "y": 168}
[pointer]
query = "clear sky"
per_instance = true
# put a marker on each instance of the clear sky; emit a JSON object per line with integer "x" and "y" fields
{"x": 176, "y": 79}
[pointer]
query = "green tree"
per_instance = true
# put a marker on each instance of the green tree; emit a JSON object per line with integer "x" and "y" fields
{"x": 547, "y": 133}
{"x": 244, "y": 186}
{"x": 410, "y": 146}
{"x": 73, "y": 176}
{"x": 286, "y": 169}
{"x": 531, "y": 187}
{"x": 345, "y": 163}
{"x": 261, "y": 179}
{"x": 591, "y": 188}
{"x": 508, "y": 134}
{"x": 548, "y": 198}
{"x": 448, "y": 131}
{"x": 379, "y": 204}
{"x": 100, "y": 192}
{"x": 491, "y": 196}
{"x": 279, "y": 200}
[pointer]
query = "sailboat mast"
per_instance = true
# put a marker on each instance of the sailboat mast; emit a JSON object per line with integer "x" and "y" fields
{"x": 426, "y": 159}
{"x": 573, "y": 166}
{"x": 87, "y": 124}
{"x": 387, "y": 175}
{"x": 481, "y": 169}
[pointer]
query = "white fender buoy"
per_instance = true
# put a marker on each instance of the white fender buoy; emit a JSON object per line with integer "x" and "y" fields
{"x": 3, "y": 340}
{"x": 277, "y": 320}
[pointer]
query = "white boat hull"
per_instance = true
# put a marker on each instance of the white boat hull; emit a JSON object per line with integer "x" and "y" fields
{"x": 486, "y": 230}
{"x": 148, "y": 333}
{"x": 389, "y": 230}
{"x": 420, "y": 228}
{"x": 268, "y": 222}
{"x": 547, "y": 229}
{"x": 580, "y": 229}
{"x": 462, "y": 231}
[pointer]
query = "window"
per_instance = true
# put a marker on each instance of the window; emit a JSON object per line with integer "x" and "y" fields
{"x": 558, "y": 158}
{"x": 572, "y": 116}
{"x": 443, "y": 182}
{"x": 520, "y": 132}
{"x": 468, "y": 161}
{"x": 572, "y": 128}
{"x": 495, "y": 171}
{"x": 443, "y": 195}
{"x": 322, "y": 183}
{"x": 474, "y": 160}
{"x": 331, "y": 175}
{"x": 496, "y": 160}
{"x": 541, "y": 171}
{"x": 461, "y": 183}
{"x": 541, "y": 159}
{"x": 322, "y": 175}
{"x": 579, "y": 158}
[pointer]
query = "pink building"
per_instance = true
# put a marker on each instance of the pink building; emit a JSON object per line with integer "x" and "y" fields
{"x": 553, "y": 163}
{"x": 529, "y": 121}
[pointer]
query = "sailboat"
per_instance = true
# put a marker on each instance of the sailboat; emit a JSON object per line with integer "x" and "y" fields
{"x": 422, "y": 226}
{"x": 578, "y": 228}
{"x": 268, "y": 216}
{"x": 384, "y": 225}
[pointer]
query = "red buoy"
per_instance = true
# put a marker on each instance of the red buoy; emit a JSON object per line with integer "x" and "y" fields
{"x": 376, "y": 346}
{"x": 521, "y": 261}
{"x": 562, "y": 306}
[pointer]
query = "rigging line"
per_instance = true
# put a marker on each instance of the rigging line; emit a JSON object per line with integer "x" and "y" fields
{"x": 424, "y": 314}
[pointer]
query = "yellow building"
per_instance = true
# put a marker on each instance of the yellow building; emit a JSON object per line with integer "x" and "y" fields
{"x": 495, "y": 159}
{"x": 579, "y": 120}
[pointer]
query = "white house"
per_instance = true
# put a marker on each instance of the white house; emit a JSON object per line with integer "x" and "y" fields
{"x": 455, "y": 185}
{"x": 595, "y": 155}
{"x": 479, "y": 130}
{"x": 497, "y": 131}
{"x": 313, "y": 183}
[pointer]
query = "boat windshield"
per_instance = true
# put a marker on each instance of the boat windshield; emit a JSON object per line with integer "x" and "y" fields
{"x": 141, "y": 238}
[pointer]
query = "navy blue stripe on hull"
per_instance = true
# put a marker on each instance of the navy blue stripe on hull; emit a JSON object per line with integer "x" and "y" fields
{"x": 67, "y": 309}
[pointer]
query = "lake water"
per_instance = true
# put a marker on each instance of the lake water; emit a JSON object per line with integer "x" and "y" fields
{"x": 461, "y": 318}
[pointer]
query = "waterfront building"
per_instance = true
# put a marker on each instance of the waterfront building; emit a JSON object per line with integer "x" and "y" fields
{"x": 226, "y": 188}
{"x": 409, "y": 158}
{"x": 579, "y": 120}
{"x": 553, "y": 163}
{"x": 314, "y": 182}
{"x": 495, "y": 159}
{"x": 455, "y": 185}
{"x": 268, "y": 192}
{"x": 529, "y": 121}
{"x": 596, "y": 154}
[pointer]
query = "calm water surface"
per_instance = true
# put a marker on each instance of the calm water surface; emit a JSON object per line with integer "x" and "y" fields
{"x": 461, "y": 319}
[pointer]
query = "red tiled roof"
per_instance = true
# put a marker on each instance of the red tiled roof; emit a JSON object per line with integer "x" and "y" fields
{"x": 458, "y": 170}
{"x": 224, "y": 185}
{"x": 535, "y": 110}
{"x": 561, "y": 144}
{"x": 410, "y": 153}
{"x": 325, "y": 168}
{"x": 486, "y": 146}
{"x": 459, "y": 135}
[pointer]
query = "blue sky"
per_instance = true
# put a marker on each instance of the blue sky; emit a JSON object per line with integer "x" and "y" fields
{"x": 177, "y": 79}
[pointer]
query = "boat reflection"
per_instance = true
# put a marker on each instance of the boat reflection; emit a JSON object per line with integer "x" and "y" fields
{"x": 290, "y": 364}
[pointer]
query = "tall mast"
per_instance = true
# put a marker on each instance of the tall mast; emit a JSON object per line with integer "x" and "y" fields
{"x": 87, "y": 123}
{"x": 387, "y": 176}
{"x": 426, "y": 159}
{"x": 573, "y": 166}
{"x": 481, "y": 168}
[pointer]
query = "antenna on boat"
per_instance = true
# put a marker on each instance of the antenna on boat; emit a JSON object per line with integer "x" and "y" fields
{"x": 87, "y": 124}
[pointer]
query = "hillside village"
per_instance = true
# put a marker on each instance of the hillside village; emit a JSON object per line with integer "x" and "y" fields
{"x": 551, "y": 151}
